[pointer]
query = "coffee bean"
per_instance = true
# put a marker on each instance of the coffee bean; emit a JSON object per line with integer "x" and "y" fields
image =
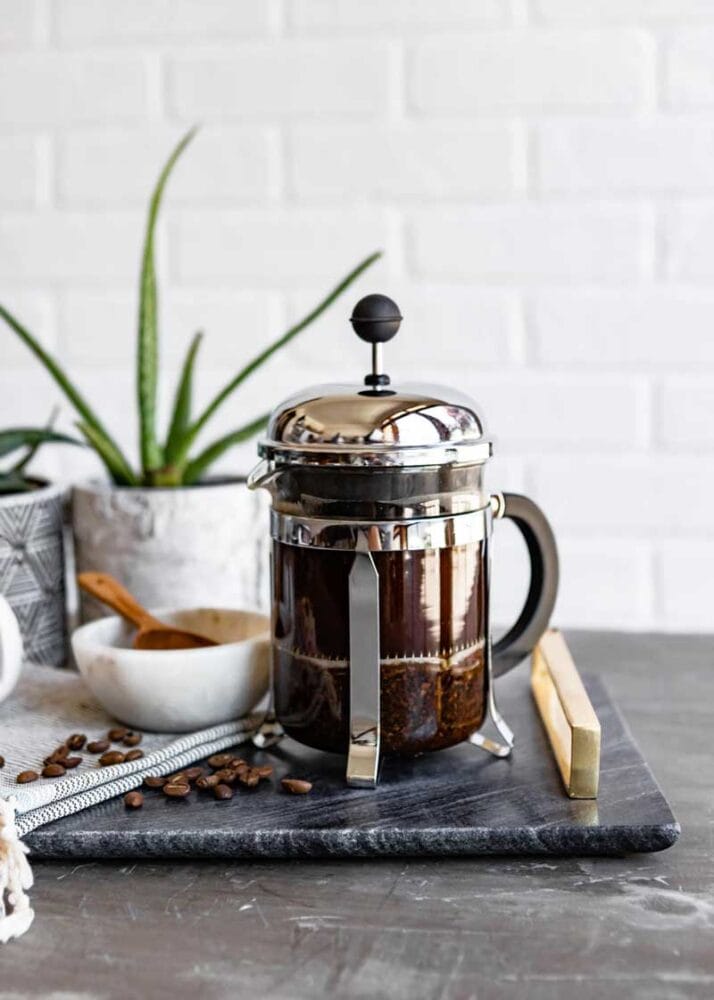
{"x": 98, "y": 746}
{"x": 264, "y": 771}
{"x": 220, "y": 760}
{"x": 58, "y": 755}
{"x": 76, "y": 741}
{"x": 179, "y": 778}
{"x": 71, "y": 762}
{"x": 176, "y": 791}
{"x": 192, "y": 773}
{"x": 238, "y": 762}
{"x": 133, "y": 800}
{"x": 249, "y": 778}
{"x": 111, "y": 757}
{"x": 296, "y": 786}
{"x": 223, "y": 792}
{"x": 207, "y": 781}
{"x": 53, "y": 771}
{"x": 24, "y": 777}
{"x": 2, "y": 761}
{"x": 118, "y": 733}
{"x": 132, "y": 739}
{"x": 133, "y": 755}
{"x": 154, "y": 781}
{"x": 227, "y": 775}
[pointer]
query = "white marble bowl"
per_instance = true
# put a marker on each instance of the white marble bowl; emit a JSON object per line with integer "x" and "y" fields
{"x": 176, "y": 691}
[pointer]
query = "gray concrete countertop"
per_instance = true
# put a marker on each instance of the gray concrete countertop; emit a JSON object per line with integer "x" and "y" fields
{"x": 638, "y": 927}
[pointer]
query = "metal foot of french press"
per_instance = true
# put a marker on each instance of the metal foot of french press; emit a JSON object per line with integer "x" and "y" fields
{"x": 268, "y": 733}
{"x": 363, "y": 753}
{"x": 494, "y": 721}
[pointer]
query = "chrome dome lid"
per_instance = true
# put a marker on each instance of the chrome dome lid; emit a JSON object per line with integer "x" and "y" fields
{"x": 345, "y": 425}
{"x": 374, "y": 424}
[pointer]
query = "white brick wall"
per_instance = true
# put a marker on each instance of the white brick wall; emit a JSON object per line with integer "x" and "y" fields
{"x": 540, "y": 174}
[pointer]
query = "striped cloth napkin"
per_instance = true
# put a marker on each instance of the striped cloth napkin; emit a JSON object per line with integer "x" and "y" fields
{"x": 45, "y": 708}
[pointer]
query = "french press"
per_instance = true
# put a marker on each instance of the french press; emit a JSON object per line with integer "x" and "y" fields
{"x": 381, "y": 533}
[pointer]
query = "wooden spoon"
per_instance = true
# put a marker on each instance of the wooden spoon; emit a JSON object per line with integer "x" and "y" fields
{"x": 152, "y": 634}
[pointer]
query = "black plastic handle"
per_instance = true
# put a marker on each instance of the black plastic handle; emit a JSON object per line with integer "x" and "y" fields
{"x": 533, "y": 620}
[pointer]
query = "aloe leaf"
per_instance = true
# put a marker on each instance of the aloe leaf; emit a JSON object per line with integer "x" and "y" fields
{"x": 113, "y": 459}
{"x": 12, "y": 482}
{"x": 261, "y": 358}
{"x": 30, "y": 437}
{"x": 74, "y": 396}
{"x": 147, "y": 359}
{"x": 195, "y": 469}
{"x": 181, "y": 415}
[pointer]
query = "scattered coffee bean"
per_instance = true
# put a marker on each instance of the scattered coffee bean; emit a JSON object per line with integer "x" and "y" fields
{"x": 238, "y": 762}
{"x": 154, "y": 781}
{"x": 133, "y": 754}
{"x": 179, "y": 778}
{"x": 133, "y": 800}
{"x": 2, "y": 761}
{"x": 193, "y": 773}
{"x": 132, "y": 739}
{"x": 53, "y": 771}
{"x": 249, "y": 778}
{"x": 264, "y": 771}
{"x": 223, "y": 792}
{"x": 207, "y": 781}
{"x": 111, "y": 757}
{"x": 98, "y": 746}
{"x": 118, "y": 733}
{"x": 76, "y": 741}
{"x": 226, "y": 775}
{"x": 58, "y": 755}
{"x": 70, "y": 762}
{"x": 220, "y": 760}
{"x": 176, "y": 791}
{"x": 296, "y": 786}
{"x": 24, "y": 777}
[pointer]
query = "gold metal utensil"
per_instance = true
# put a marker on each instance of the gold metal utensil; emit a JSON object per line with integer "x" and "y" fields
{"x": 568, "y": 715}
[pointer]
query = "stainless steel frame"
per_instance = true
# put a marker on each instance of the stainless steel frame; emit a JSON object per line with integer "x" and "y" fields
{"x": 364, "y": 538}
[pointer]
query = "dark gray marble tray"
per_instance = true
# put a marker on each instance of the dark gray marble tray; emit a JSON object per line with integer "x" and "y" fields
{"x": 456, "y": 802}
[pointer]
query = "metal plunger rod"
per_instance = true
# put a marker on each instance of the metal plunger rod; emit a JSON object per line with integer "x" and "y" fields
{"x": 377, "y": 362}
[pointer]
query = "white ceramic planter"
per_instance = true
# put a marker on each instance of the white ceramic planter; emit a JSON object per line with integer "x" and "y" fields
{"x": 32, "y": 570}
{"x": 187, "y": 547}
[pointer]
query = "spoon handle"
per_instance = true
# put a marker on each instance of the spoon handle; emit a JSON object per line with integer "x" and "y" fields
{"x": 110, "y": 592}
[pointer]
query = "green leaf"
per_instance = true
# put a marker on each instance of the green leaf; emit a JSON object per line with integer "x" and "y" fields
{"x": 147, "y": 359}
{"x": 12, "y": 482}
{"x": 113, "y": 459}
{"x": 261, "y": 358}
{"x": 78, "y": 401}
{"x": 196, "y": 468}
{"x": 30, "y": 437}
{"x": 181, "y": 416}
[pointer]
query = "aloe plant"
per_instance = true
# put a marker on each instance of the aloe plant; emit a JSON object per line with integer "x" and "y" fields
{"x": 173, "y": 462}
{"x": 27, "y": 440}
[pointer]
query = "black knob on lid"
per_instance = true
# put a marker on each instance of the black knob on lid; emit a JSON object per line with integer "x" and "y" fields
{"x": 376, "y": 319}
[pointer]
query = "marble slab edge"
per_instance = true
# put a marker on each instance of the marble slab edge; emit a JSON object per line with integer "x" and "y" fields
{"x": 562, "y": 841}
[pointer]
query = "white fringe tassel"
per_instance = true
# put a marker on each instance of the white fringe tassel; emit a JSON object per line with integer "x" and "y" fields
{"x": 16, "y": 914}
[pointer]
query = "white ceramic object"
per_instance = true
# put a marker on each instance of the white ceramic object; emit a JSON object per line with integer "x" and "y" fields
{"x": 176, "y": 691}
{"x": 10, "y": 649}
{"x": 187, "y": 547}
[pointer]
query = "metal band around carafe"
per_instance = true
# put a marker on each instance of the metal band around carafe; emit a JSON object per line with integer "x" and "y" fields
{"x": 382, "y": 536}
